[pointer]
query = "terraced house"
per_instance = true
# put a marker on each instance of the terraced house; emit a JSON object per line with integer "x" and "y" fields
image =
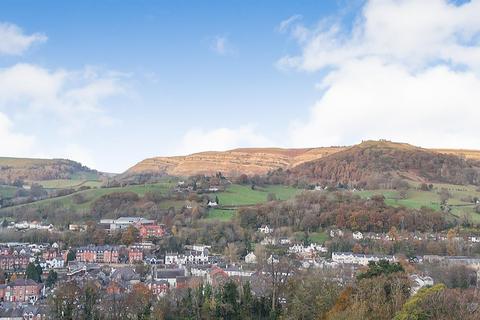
{"x": 21, "y": 290}
{"x": 98, "y": 254}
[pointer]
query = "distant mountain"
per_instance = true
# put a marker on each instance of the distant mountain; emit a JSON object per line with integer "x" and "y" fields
{"x": 253, "y": 161}
{"x": 12, "y": 169}
{"x": 374, "y": 162}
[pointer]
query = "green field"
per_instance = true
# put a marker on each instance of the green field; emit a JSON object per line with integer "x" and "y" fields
{"x": 93, "y": 194}
{"x": 314, "y": 237}
{"x": 239, "y": 195}
{"x": 69, "y": 183}
{"x": 7, "y": 191}
{"x": 417, "y": 199}
{"x": 220, "y": 215}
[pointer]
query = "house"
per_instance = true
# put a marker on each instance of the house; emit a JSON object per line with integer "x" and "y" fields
{"x": 251, "y": 258}
{"x": 265, "y": 229}
{"x": 158, "y": 287}
{"x": 360, "y": 259}
{"x": 217, "y": 276}
{"x": 357, "y": 235}
{"x": 171, "y": 258}
{"x": 170, "y": 276}
{"x": 77, "y": 227}
{"x": 98, "y": 254}
{"x": 212, "y": 204}
{"x": 17, "y": 261}
{"x": 21, "y": 290}
{"x": 234, "y": 271}
{"x": 135, "y": 255}
{"x": 124, "y": 222}
{"x": 56, "y": 262}
{"x": 151, "y": 230}
{"x": 336, "y": 233}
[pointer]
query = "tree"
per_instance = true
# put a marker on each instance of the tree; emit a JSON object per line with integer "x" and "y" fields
{"x": 130, "y": 235}
{"x": 33, "y": 273}
{"x": 271, "y": 196}
{"x": 231, "y": 253}
{"x": 51, "y": 279}
{"x": 382, "y": 267}
{"x": 71, "y": 255}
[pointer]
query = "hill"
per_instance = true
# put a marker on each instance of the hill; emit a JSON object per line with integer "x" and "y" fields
{"x": 15, "y": 169}
{"x": 249, "y": 161}
{"x": 374, "y": 162}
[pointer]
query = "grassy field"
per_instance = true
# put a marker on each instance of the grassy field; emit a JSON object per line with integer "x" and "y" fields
{"x": 239, "y": 195}
{"x": 220, "y": 215}
{"x": 69, "y": 183}
{"x": 7, "y": 191}
{"x": 93, "y": 194}
{"x": 314, "y": 237}
{"x": 416, "y": 199}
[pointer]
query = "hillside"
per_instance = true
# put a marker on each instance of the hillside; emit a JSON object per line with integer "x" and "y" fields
{"x": 249, "y": 161}
{"x": 379, "y": 161}
{"x": 13, "y": 169}
{"x": 234, "y": 162}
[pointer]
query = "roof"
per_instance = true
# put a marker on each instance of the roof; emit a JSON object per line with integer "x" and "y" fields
{"x": 23, "y": 282}
{"x": 169, "y": 273}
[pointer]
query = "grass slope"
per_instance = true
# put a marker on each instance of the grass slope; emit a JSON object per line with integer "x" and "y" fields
{"x": 240, "y": 195}
{"x": 417, "y": 199}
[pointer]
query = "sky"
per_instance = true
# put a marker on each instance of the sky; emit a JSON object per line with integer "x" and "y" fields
{"x": 109, "y": 83}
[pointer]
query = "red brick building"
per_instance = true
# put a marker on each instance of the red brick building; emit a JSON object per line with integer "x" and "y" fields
{"x": 13, "y": 262}
{"x": 151, "y": 230}
{"x": 21, "y": 290}
{"x": 135, "y": 255}
{"x": 98, "y": 254}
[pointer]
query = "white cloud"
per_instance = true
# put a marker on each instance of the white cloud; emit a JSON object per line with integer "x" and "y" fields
{"x": 407, "y": 71}
{"x": 12, "y": 143}
{"x": 285, "y": 24}
{"x": 73, "y": 98}
{"x": 15, "y": 42}
{"x": 221, "y": 45}
{"x": 414, "y": 33}
{"x": 221, "y": 139}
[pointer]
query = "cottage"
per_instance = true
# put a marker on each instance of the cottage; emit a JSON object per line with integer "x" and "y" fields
{"x": 251, "y": 258}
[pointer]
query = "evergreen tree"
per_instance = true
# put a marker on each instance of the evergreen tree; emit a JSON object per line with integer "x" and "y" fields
{"x": 51, "y": 279}
{"x": 32, "y": 272}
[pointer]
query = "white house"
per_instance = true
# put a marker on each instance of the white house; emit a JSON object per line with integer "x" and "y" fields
{"x": 361, "y": 259}
{"x": 336, "y": 233}
{"x": 265, "y": 229}
{"x": 357, "y": 235}
{"x": 171, "y": 258}
{"x": 54, "y": 263}
{"x": 212, "y": 203}
{"x": 251, "y": 258}
{"x": 234, "y": 271}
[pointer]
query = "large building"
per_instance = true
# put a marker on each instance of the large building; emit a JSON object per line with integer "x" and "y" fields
{"x": 21, "y": 290}
{"x": 151, "y": 230}
{"x": 98, "y": 254}
{"x": 14, "y": 262}
{"x": 125, "y": 222}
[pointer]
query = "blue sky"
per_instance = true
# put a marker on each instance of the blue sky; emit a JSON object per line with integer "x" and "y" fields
{"x": 126, "y": 80}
